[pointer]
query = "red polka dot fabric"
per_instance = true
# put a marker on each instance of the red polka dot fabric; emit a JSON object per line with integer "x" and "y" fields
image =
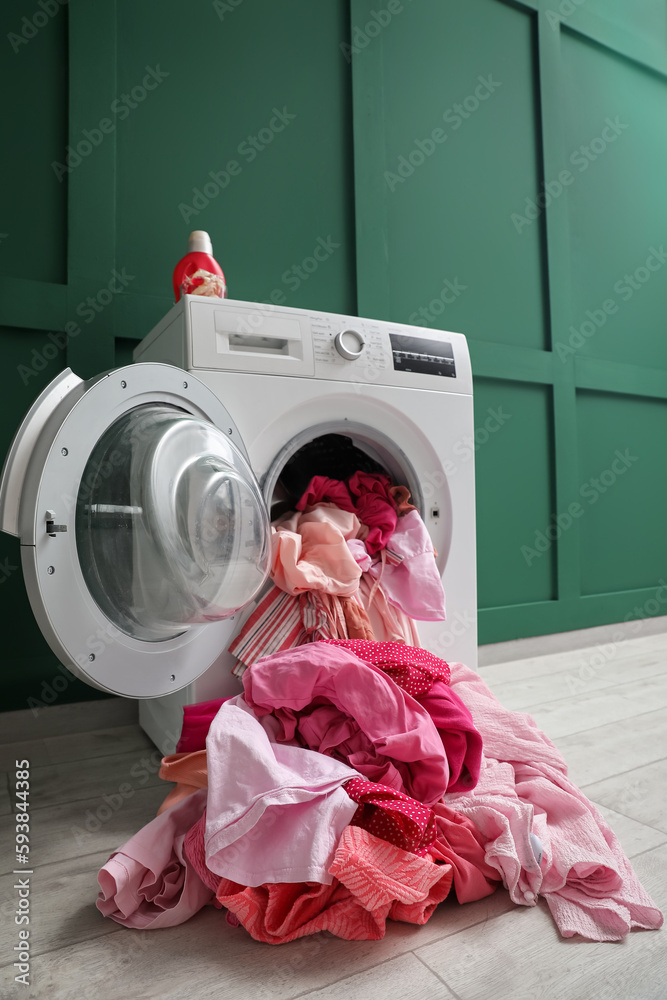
{"x": 415, "y": 670}
{"x": 392, "y": 816}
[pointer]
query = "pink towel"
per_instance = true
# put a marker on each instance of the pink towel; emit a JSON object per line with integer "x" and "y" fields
{"x": 523, "y": 788}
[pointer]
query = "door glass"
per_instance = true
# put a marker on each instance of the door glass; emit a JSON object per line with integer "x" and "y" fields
{"x": 171, "y": 527}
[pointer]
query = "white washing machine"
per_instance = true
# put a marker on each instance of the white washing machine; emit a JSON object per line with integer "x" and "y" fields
{"x": 143, "y": 497}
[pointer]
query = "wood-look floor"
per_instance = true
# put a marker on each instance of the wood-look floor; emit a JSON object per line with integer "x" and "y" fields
{"x": 605, "y": 709}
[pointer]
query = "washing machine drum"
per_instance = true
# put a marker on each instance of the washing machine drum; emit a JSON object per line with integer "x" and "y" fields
{"x": 143, "y": 527}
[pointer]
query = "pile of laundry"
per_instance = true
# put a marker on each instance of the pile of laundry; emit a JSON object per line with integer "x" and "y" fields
{"x": 358, "y": 778}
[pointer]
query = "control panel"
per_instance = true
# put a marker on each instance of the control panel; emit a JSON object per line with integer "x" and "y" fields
{"x": 230, "y": 335}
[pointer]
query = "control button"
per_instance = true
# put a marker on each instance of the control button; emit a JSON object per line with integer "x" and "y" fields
{"x": 349, "y": 344}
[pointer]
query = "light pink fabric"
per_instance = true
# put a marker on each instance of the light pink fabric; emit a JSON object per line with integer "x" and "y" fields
{"x": 149, "y": 882}
{"x": 333, "y": 702}
{"x": 585, "y": 877}
{"x": 275, "y": 813}
{"x": 310, "y": 552}
{"x": 389, "y": 624}
{"x": 411, "y": 581}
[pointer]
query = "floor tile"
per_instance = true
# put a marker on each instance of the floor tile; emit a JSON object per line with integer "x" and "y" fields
{"x": 639, "y": 794}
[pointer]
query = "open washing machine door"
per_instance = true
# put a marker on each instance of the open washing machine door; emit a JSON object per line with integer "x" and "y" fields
{"x": 143, "y": 528}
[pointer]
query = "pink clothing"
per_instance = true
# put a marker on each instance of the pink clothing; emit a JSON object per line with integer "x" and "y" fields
{"x": 523, "y": 788}
{"x": 328, "y": 490}
{"x": 459, "y": 843}
{"x": 426, "y": 678}
{"x": 389, "y": 624}
{"x": 282, "y": 621}
{"x": 275, "y": 813}
{"x": 193, "y": 847}
{"x": 374, "y": 506}
{"x": 401, "y": 496}
{"x": 333, "y": 702}
{"x": 460, "y": 738}
{"x": 372, "y": 881}
{"x": 276, "y": 623}
{"x": 189, "y": 772}
{"x": 149, "y": 882}
{"x": 412, "y": 668}
{"x": 409, "y": 572}
{"x": 392, "y": 816}
{"x": 196, "y": 722}
{"x": 382, "y": 877}
{"x": 309, "y": 552}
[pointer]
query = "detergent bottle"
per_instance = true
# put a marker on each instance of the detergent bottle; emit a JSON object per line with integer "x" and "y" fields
{"x": 198, "y": 273}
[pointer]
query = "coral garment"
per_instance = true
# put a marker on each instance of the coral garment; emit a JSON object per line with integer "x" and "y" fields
{"x": 188, "y": 770}
{"x": 274, "y": 813}
{"x": 310, "y": 552}
{"x": 372, "y": 881}
{"x": 523, "y": 788}
{"x": 331, "y": 701}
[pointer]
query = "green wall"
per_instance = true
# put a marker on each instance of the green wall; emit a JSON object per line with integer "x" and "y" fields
{"x": 518, "y": 151}
{"x": 310, "y": 138}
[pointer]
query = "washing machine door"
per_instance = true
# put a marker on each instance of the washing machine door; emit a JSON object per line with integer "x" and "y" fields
{"x": 143, "y": 528}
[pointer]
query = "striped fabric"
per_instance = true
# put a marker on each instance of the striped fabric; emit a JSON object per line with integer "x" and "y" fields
{"x": 274, "y": 624}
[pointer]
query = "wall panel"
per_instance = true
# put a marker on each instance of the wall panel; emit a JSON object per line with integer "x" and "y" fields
{"x": 548, "y": 205}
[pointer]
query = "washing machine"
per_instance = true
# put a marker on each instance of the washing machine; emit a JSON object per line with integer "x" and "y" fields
{"x": 143, "y": 497}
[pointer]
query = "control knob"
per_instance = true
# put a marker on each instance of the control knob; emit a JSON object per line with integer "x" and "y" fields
{"x": 349, "y": 344}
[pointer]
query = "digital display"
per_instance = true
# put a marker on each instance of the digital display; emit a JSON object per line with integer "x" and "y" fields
{"x": 419, "y": 355}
